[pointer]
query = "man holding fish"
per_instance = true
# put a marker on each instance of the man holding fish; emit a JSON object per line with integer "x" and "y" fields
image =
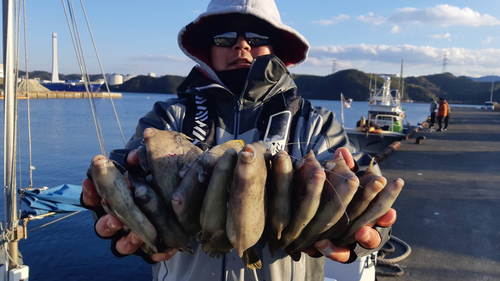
{"x": 241, "y": 90}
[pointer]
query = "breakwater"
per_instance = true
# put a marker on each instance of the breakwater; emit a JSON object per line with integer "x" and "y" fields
{"x": 66, "y": 95}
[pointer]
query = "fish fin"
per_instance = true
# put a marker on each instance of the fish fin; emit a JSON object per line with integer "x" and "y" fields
{"x": 251, "y": 258}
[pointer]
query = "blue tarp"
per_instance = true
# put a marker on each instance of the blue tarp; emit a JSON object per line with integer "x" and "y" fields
{"x": 62, "y": 198}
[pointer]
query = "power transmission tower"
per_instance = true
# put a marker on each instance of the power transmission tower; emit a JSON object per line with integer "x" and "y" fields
{"x": 445, "y": 61}
{"x": 334, "y": 66}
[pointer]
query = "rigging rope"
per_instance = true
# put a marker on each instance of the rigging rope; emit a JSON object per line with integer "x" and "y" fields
{"x": 73, "y": 30}
{"x": 102, "y": 71}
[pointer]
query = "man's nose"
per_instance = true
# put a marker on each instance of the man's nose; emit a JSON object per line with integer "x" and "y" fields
{"x": 241, "y": 44}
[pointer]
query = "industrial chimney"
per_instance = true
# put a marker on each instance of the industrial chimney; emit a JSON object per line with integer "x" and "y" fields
{"x": 55, "y": 70}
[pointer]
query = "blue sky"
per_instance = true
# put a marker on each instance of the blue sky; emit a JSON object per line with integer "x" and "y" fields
{"x": 139, "y": 37}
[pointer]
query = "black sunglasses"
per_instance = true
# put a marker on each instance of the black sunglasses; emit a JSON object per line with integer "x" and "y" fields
{"x": 228, "y": 39}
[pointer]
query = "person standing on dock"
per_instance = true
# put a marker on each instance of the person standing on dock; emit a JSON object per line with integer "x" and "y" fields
{"x": 442, "y": 112}
{"x": 433, "y": 111}
{"x": 240, "y": 84}
{"x": 447, "y": 117}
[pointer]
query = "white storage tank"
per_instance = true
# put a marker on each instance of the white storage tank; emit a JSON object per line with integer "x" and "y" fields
{"x": 128, "y": 77}
{"x": 115, "y": 79}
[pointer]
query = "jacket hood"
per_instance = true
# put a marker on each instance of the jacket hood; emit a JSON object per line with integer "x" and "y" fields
{"x": 195, "y": 39}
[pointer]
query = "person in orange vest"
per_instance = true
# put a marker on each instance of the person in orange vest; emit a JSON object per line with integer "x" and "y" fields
{"x": 442, "y": 112}
{"x": 447, "y": 118}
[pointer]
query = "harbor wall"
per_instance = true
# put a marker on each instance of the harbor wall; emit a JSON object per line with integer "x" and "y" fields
{"x": 67, "y": 95}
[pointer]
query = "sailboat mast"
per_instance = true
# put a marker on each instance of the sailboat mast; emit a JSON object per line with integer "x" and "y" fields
{"x": 10, "y": 129}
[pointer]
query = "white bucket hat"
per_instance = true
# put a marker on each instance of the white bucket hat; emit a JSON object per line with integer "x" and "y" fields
{"x": 195, "y": 39}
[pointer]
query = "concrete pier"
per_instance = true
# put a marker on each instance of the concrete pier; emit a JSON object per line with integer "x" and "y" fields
{"x": 449, "y": 209}
{"x": 67, "y": 95}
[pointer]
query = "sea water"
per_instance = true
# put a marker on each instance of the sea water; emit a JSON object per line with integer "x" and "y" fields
{"x": 64, "y": 140}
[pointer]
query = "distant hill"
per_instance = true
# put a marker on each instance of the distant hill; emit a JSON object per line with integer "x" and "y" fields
{"x": 352, "y": 83}
{"x": 489, "y": 78}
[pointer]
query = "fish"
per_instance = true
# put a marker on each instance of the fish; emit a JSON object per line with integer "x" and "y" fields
{"x": 306, "y": 198}
{"x": 377, "y": 208}
{"x": 213, "y": 213}
{"x": 117, "y": 199}
{"x": 171, "y": 235}
{"x": 339, "y": 189}
{"x": 188, "y": 197}
{"x": 167, "y": 152}
{"x": 280, "y": 192}
{"x": 246, "y": 214}
{"x": 370, "y": 185}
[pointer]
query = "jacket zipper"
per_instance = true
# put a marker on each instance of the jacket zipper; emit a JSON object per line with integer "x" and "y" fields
{"x": 239, "y": 106}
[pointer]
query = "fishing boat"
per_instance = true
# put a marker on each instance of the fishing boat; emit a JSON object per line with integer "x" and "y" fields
{"x": 72, "y": 86}
{"x": 489, "y": 105}
{"x": 386, "y": 121}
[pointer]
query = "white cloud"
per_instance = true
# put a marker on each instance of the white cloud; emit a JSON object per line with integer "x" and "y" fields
{"x": 371, "y": 18}
{"x": 396, "y": 29}
{"x": 441, "y": 36}
{"x": 419, "y": 60}
{"x": 439, "y": 15}
{"x": 160, "y": 58}
{"x": 487, "y": 40}
{"x": 443, "y": 15}
{"x": 333, "y": 20}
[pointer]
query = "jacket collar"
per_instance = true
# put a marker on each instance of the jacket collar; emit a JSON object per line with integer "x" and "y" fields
{"x": 267, "y": 77}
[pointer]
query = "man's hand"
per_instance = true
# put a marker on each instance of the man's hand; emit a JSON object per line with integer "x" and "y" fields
{"x": 108, "y": 225}
{"x": 366, "y": 236}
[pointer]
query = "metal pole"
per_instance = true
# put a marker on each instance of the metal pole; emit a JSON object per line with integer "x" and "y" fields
{"x": 10, "y": 131}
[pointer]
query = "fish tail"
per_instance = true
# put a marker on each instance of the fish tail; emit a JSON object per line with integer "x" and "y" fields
{"x": 251, "y": 259}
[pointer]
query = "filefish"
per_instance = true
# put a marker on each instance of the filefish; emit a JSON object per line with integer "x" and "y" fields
{"x": 246, "y": 214}
{"x": 214, "y": 209}
{"x": 377, "y": 208}
{"x": 280, "y": 192}
{"x": 170, "y": 234}
{"x": 188, "y": 198}
{"x": 117, "y": 199}
{"x": 167, "y": 152}
{"x": 307, "y": 197}
{"x": 370, "y": 185}
{"x": 339, "y": 189}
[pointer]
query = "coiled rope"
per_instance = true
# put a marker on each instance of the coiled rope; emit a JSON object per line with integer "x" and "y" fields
{"x": 391, "y": 263}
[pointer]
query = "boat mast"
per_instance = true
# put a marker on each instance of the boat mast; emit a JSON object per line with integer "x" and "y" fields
{"x": 10, "y": 129}
{"x": 402, "y": 79}
{"x": 491, "y": 95}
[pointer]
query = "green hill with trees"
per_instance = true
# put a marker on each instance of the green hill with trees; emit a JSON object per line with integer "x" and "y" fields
{"x": 351, "y": 82}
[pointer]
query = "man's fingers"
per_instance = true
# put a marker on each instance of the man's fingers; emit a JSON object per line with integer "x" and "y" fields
{"x": 388, "y": 219}
{"x": 339, "y": 254}
{"x": 368, "y": 237}
{"x": 133, "y": 158}
{"x": 163, "y": 256}
{"x": 128, "y": 244}
{"x": 89, "y": 194}
{"x": 107, "y": 226}
{"x": 346, "y": 154}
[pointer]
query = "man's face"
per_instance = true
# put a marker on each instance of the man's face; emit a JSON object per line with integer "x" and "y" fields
{"x": 240, "y": 55}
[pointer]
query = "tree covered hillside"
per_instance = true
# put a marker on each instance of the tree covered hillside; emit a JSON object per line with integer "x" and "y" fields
{"x": 352, "y": 83}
